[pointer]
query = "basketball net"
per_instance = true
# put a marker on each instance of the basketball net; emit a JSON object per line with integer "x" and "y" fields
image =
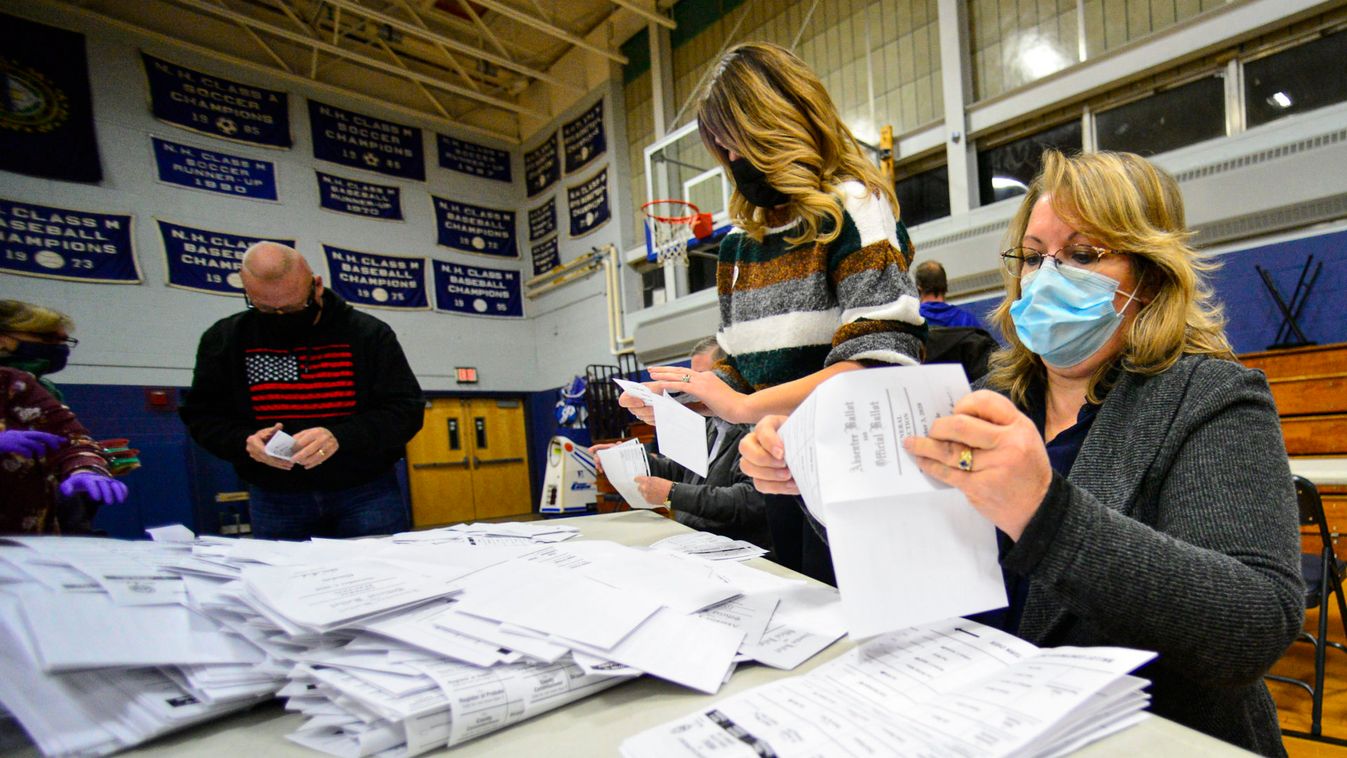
{"x": 670, "y": 225}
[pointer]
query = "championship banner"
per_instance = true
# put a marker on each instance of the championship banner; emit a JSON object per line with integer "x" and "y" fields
{"x": 381, "y": 201}
{"x": 360, "y": 141}
{"x": 541, "y": 169}
{"x": 471, "y": 158}
{"x": 582, "y": 139}
{"x": 474, "y": 229}
{"x": 59, "y": 243}
{"x": 543, "y": 219}
{"x": 545, "y": 257}
{"x": 212, "y": 171}
{"x": 46, "y": 114}
{"x": 478, "y": 291}
{"x": 217, "y": 106}
{"x": 377, "y": 281}
{"x": 206, "y": 261}
{"x": 587, "y": 203}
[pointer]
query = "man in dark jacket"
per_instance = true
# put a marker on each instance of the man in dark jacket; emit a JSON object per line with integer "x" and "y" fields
{"x": 302, "y": 360}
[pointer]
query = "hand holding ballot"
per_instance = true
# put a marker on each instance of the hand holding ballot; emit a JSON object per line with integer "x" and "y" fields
{"x": 260, "y": 448}
{"x": 993, "y": 454}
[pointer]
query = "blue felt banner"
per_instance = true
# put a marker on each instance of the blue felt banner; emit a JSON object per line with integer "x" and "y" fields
{"x": 474, "y": 229}
{"x": 478, "y": 291}
{"x": 545, "y": 256}
{"x": 360, "y": 141}
{"x": 59, "y": 243}
{"x": 376, "y": 280}
{"x": 213, "y": 171}
{"x": 587, "y": 204}
{"x": 204, "y": 260}
{"x": 471, "y": 158}
{"x": 543, "y": 220}
{"x": 217, "y": 106}
{"x": 541, "y": 167}
{"x": 381, "y": 201}
{"x": 583, "y": 139}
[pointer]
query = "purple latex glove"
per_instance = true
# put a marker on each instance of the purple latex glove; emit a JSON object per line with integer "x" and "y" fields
{"x": 103, "y": 489}
{"x": 29, "y": 444}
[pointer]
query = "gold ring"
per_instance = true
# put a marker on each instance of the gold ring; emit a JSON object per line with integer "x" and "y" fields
{"x": 322, "y": 451}
{"x": 686, "y": 378}
{"x": 966, "y": 459}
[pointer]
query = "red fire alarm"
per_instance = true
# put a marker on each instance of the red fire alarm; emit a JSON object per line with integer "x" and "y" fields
{"x": 158, "y": 399}
{"x": 466, "y": 374}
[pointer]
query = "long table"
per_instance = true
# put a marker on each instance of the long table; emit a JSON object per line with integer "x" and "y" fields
{"x": 597, "y": 725}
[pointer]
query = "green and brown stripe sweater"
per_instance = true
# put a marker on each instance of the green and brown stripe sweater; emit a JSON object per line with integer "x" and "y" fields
{"x": 788, "y": 311}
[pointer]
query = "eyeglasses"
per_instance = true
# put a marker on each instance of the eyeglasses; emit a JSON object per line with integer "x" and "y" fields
{"x": 46, "y": 338}
{"x": 289, "y": 309}
{"x": 1026, "y": 260}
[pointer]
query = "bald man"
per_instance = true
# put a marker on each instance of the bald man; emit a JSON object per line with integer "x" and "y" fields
{"x": 932, "y": 286}
{"x": 302, "y": 360}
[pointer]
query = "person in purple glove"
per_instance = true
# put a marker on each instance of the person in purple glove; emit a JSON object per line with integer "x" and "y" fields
{"x": 44, "y": 452}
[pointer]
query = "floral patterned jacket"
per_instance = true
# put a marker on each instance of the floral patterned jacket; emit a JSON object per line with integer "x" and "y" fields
{"x": 28, "y": 486}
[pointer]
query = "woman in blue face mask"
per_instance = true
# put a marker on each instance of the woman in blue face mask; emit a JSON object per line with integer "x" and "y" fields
{"x": 1136, "y": 471}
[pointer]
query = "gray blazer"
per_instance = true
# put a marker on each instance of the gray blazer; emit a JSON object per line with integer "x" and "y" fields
{"x": 725, "y": 502}
{"x": 1176, "y": 532}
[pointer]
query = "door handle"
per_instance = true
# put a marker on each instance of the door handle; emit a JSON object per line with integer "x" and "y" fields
{"x": 440, "y": 464}
{"x": 479, "y": 461}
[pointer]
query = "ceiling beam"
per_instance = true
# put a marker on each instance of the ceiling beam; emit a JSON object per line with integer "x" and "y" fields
{"x": 546, "y": 28}
{"x": 635, "y": 7}
{"x": 438, "y": 39}
{"x": 358, "y": 58}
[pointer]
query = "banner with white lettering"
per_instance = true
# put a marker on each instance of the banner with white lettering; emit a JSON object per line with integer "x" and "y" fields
{"x": 478, "y": 291}
{"x": 583, "y": 140}
{"x": 543, "y": 219}
{"x": 60, "y": 243}
{"x": 545, "y": 256}
{"x": 213, "y": 171}
{"x": 377, "y": 280}
{"x": 587, "y": 203}
{"x": 205, "y": 260}
{"x": 474, "y": 229}
{"x": 471, "y": 158}
{"x": 360, "y": 141}
{"x": 217, "y": 106}
{"x": 381, "y": 201}
{"x": 541, "y": 167}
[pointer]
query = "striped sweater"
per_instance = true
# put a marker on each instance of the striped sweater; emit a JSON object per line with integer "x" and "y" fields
{"x": 789, "y": 311}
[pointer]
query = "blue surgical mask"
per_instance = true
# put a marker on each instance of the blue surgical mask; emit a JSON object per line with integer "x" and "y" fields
{"x": 1064, "y": 314}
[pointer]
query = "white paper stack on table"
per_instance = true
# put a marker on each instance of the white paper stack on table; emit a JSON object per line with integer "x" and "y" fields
{"x": 885, "y": 518}
{"x": 400, "y": 644}
{"x": 713, "y": 547}
{"x": 949, "y": 688}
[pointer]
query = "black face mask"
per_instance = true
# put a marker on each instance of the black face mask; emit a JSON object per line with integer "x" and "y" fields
{"x": 753, "y": 185}
{"x": 292, "y": 324}
{"x": 43, "y": 358}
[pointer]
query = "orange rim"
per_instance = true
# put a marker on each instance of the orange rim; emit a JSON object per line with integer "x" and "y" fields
{"x": 690, "y": 217}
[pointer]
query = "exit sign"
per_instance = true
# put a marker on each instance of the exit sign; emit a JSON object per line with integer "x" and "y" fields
{"x": 466, "y": 374}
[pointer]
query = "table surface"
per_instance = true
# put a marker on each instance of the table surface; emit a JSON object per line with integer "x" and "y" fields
{"x": 597, "y": 725}
{"x": 1322, "y": 471}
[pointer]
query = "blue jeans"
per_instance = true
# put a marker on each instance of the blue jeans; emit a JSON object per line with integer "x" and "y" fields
{"x": 368, "y": 509}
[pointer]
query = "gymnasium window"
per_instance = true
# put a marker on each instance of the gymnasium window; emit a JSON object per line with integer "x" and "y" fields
{"x": 923, "y": 196}
{"x": 1166, "y": 120}
{"x": 1299, "y": 79}
{"x": 1006, "y": 170}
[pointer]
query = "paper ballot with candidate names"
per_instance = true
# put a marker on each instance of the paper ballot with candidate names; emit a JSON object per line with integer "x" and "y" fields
{"x": 281, "y": 445}
{"x": 680, "y": 432}
{"x": 622, "y": 463}
{"x": 906, "y": 548}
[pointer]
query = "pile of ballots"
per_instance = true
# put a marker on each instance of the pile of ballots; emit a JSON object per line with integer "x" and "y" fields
{"x": 395, "y": 645}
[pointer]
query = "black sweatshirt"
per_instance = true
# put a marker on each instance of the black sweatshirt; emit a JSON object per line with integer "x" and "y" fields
{"x": 346, "y": 373}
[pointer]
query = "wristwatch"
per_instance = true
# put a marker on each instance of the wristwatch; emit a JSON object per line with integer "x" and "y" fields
{"x": 668, "y": 499}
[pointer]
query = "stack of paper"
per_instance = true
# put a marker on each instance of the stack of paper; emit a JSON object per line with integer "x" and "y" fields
{"x": 407, "y": 643}
{"x": 950, "y": 688}
{"x": 715, "y": 547}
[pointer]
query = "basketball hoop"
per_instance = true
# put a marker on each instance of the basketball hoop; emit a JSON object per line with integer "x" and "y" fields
{"x": 671, "y": 225}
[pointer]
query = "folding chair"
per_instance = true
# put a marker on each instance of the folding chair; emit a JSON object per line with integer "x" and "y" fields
{"x": 1323, "y": 574}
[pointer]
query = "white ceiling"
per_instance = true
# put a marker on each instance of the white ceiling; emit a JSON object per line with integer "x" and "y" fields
{"x": 495, "y": 67}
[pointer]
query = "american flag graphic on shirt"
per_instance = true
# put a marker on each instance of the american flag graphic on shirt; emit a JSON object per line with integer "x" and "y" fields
{"x": 303, "y": 382}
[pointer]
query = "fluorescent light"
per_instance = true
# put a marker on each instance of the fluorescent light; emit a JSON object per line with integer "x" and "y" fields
{"x": 1008, "y": 182}
{"x": 1280, "y": 99}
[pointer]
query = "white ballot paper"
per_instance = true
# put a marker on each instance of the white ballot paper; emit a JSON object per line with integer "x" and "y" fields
{"x": 622, "y": 464}
{"x": 281, "y": 445}
{"x": 906, "y": 548}
{"x": 679, "y": 431}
